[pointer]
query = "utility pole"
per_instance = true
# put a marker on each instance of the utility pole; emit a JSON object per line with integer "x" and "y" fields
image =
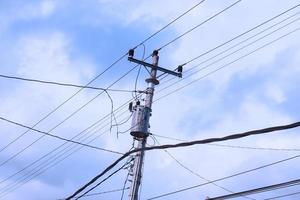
{"x": 141, "y": 115}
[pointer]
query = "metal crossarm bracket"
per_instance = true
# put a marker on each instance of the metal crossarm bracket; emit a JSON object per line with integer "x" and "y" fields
{"x": 131, "y": 59}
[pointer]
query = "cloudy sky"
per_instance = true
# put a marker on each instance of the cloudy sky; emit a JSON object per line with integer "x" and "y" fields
{"x": 74, "y": 41}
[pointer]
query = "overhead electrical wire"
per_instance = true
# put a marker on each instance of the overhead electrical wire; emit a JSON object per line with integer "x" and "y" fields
{"x": 15, "y": 155}
{"x": 63, "y": 103}
{"x": 64, "y": 84}
{"x": 171, "y": 22}
{"x": 256, "y": 148}
{"x": 39, "y": 172}
{"x": 63, "y": 121}
{"x": 29, "y": 176}
{"x": 195, "y": 173}
{"x": 226, "y": 65}
{"x": 185, "y": 144}
{"x": 233, "y": 146}
{"x": 104, "y": 192}
{"x": 281, "y": 196}
{"x": 58, "y": 137}
{"x": 259, "y": 190}
{"x": 242, "y": 34}
{"x": 224, "y": 178}
{"x": 197, "y": 26}
{"x": 44, "y": 166}
{"x": 136, "y": 47}
{"x": 231, "y": 53}
{"x": 105, "y": 70}
{"x": 108, "y": 177}
{"x": 235, "y": 38}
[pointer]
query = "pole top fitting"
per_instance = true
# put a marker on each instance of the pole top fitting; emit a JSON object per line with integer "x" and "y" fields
{"x": 131, "y": 53}
{"x": 155, "y": 53}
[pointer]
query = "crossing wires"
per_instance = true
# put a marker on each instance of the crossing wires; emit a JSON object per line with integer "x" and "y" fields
{"x": 100, "y": 74}
{"x": 185, "y": 144}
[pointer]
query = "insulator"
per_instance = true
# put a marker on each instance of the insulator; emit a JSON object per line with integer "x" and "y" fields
{"x": 155, "y": 53}
{"x": 130, "y": 107}
{"x": 138, "y": 103}
{"x": 131, "y": 53}
{"x": 180, "y": 68}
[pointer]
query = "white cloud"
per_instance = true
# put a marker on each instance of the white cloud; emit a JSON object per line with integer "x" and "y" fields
{"x": 210, "y": 108}
{"x": 19, "y": 11}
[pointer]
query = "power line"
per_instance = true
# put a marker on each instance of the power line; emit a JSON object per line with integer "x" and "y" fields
{"x": 197, "y": 26}
{"x": 63, "y": 121}
{"x": 63, "y": 103}
{"x": 105, "y": 70}
{"x": 226, "y": 50}
{"x": 255, "y": 148}
{"x": 185, "y": 144}
{"x": 242, "y": 34}
{"x": 226, "y": 65}
{"x": 195, "y": 173}
{"x": 174, "y": 20}
{"x": 126, "y": 54}
{"x": 259, "y": 190}
{"x": 51, "y": 161}
{"x": 281, "y": 196}
{"x": 64, "y": 84}
{"x": 58, "y": 137}
{"x": 232, "y": 146}
{"x": 105, "y": 192}
{"x": 234, "y": 38}
{"x": 227, "y": 177}
{"x": 94, "y": 125}
{"x": 98, "y": 184}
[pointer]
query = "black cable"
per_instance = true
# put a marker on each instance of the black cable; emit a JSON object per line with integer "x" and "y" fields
{"x": 63, "y": 121}
{"x": 105, "y": 192}
{"x": 281, "y": 196}
{"x": 98, "y": 184}
{"x": 174, "y": 20}
{"x": 232, "y": 146}
{"x": 234, "y": 38}
{"x": 110, "y": 66}
{"x": 63, "y": 103}
{"x": 195, "y": 173}
{"x": 254, "y": 148}
{"x": 29, "y": 176}
{"x": 197, "y": 26}
{"x": 30, "y": 145}
{"x": 58, "y": 137}
{"x": 231, "y": 53}
{"x": 226, "y": 65}
{"x": 224, "y": 178}
{"x": 259, "y": 190}
{"x": 242, "y": 34}
{"x": 63, "y": 84}
{"x": 35, "y": 174}
{"x": 185, "y": 144}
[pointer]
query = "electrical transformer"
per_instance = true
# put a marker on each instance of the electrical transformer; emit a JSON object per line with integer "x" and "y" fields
{"x": 139, "y": 123}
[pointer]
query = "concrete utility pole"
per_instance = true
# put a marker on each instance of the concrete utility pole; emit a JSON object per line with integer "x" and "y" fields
{"x": 140, "y": 118}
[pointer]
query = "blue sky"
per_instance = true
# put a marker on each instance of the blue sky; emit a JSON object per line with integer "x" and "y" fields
{"x": 73, "y": 41}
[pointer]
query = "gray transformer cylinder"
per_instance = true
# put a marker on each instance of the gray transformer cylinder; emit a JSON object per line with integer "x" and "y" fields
{"x": 139, "y": 123}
